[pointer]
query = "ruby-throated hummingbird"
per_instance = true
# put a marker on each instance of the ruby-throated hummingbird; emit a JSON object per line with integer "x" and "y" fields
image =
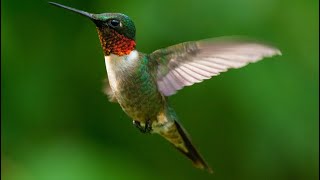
{"x": 141, "y": 82}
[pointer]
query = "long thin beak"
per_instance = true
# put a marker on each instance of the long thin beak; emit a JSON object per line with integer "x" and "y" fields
{"x": 89, "y": 15}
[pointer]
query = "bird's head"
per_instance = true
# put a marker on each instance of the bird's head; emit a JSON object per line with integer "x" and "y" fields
{"x": 116, "y": 31}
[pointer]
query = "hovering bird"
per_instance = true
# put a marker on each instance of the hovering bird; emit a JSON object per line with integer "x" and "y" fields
{"x": 141, "y": 83}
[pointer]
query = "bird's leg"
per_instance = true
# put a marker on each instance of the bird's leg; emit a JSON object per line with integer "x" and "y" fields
{"x": 148, "y": 126}
{"x": 138, "y": 125}
{"x": 146, "y": 129}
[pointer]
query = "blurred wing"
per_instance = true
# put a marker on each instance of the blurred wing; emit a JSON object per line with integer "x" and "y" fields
{"x": 108, "y": 91}
{"x": 191, "y": 62}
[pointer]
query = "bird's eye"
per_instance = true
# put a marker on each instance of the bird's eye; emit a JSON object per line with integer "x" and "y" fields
{"x": 114, "y": 23}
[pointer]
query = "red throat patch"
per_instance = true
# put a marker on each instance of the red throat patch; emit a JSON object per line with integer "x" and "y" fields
{"x": 114, "y": 43}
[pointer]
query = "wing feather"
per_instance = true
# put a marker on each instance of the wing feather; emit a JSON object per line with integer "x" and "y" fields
{"x": 192, "y": 62}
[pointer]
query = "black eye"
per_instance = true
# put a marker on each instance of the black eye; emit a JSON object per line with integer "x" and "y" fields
{"x": 114, "y": 23}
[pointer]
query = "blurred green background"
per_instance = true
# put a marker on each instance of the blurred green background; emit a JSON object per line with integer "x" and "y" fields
{"x": 258, "y": 122}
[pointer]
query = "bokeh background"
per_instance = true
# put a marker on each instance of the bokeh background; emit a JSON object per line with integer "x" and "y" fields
{"x": 258, "y": 122}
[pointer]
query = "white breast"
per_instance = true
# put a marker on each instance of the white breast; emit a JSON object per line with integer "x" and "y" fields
{"x": 111, "y": 73}
{"x": 115, "y": 64}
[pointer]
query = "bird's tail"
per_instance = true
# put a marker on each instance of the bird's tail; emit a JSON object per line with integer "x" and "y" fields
{"x": 177, "y": 136}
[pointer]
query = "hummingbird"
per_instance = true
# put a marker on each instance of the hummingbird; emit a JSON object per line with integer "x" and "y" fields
{"x": 141, "y": 83}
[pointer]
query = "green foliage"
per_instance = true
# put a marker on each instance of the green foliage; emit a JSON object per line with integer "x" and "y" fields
{"x": 258, "y": 122}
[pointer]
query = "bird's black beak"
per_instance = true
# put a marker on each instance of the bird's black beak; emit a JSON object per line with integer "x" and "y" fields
{"x": 89, "y": 15}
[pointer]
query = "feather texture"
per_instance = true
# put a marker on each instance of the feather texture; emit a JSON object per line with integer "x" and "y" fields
{"x": 192, "y": 62}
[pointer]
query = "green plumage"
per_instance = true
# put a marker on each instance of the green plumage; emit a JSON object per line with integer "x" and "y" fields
{"x": 136, "y": 88}
{"x": 133, "y": 80}
{"x": 140, "y": 83}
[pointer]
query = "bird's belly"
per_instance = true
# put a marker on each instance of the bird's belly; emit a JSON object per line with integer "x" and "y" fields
{"x": 137, "y": 107}
{"x": 138, "y": 101}
{"x": 135, "y": 91}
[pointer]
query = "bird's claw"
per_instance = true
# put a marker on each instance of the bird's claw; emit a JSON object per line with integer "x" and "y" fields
{"x": 147, "y": 127}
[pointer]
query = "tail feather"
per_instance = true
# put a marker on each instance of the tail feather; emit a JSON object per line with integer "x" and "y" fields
{"x": 176, "y": 134}
{"x": 192, "y": 152}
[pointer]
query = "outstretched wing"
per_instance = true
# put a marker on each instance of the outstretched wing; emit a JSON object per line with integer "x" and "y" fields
{"x": 191, "y": 62}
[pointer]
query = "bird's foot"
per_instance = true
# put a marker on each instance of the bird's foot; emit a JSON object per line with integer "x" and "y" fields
{"x": 147, "y": 127}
